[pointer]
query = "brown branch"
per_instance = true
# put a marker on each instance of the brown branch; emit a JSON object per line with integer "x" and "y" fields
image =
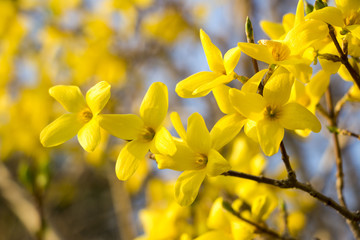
{"x": 305, "y": 187}
{"x": 344, "y": 57}
{"x": 337, "y": 150}
{"x": 286, "y": 160}
{"x": 259, "y": 228}
{"x": 339, "y": 166}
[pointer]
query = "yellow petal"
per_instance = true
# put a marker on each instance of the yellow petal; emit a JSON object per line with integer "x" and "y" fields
{"x": 226, "y": 129}
{"x": 304, "y": 35}
{"x": 217, "y": 164}
{"x": 355, "y": 30}
{"x": 299, "y": 17}
{"x": 347, "y": 6}
{"x": 252, "y": 84}
{"x": 124, "y": 126}
{"x": 256, "y": 51}
{"x": 277, "y": 89}
{"x": 288, "y": 21}
{"x": 329, "y": 66}
{"x": 176, "y": 121}
{"x": 187, "y": 87}
{"x": 89, "y": 135}
{"x": 273, "y": 30}
{"x": 206, "y": 87}
{"x": 301, "y": 71}
{"x": 183, "y": 159}
{"x": 164, "y": 142}
{"x": 154, "y": 106}
{"x": 318, "y": 85}
{"x": 129, "y": 158}
{"x": 98, "y": 96}
{"x": 187, "y": 186}
{"x": 330, "y": 15}
{"x": 213, "y": 54}
{"x": 221, "y": 94}
{"x": 198, "y": 136}
{"x": 231, "y": 59}
{"x": 251, "y": 130}
{"x": 59, "y": 131}
{"x": 250, "y": 105}
{"x": 294, "y": 116}
{"x": 270, "y": 134}
{"x": 70, "y": 97}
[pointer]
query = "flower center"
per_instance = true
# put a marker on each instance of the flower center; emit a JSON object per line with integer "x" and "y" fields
{"x": 352, "y": 19}
{"x": 85, "y": 115}
{"x": 278, "y": 50}
{"x": 147, "y": 134}
{"x": 271, "y": 113}
{"x": 201, "y": 160}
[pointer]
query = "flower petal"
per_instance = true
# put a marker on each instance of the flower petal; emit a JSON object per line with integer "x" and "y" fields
{"x": 183, "y": 159}
{"x": 98, "y": 96}
{"x": 89, "y": 135}
{"x": 250, "y": 105}
{"x": 277, "y": 89}
{"x": 59, "y": 131}
{"x": 231, "y": 59}
{"x": 299, "y": 17}
{"x": 226, "y": 129}
{"x": 256, "y": 51}
{"x": 213, "y": 54}
{"x": 251, "y": 130}
{"x": 252, "y": 84}
{"x": 206, "y": 87}
{"x": 154, "y": 106}
{"x": 198, "y": 136}
{"x": 124, "y": 126}
{"x": 186, "y": 87}
{"x": 355, "y": 30}
{"x": 129, "y": 158}
{"x": 270, "y": 134}
{"x": 273, "y": 30}
{"x": 304, "y": 35}
{"x": 294, "y": 116}
{"x": 221, "y": 94}
{"x": 176, "y": 121}
{"x": 217, "y": 164}
{"x": 330, "y": 15}
{"x": 70, "y": 97}
{"x": 187, "y": 186}
{"x": 164, "y": 142}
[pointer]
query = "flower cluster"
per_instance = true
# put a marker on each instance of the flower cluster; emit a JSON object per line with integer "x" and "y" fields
{"x": 282, "y": 96}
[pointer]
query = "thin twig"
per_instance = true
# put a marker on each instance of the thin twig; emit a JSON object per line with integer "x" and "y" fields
{"x": 337, "y": 150}
{"x": 259, "y": 228}
{"x": 344, "y": 57}
{"x": 305, "y": 187}
{"x": 286, "y": 160}
{"x": 339, "y": 166}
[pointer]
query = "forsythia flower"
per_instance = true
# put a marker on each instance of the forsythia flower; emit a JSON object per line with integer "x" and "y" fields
{"x": 83, "y": 118}
{"x": 146, "y": 131}
{"x": 195, "y": 155}
{"x": 288, "y": 52}
{"x": 272, "y": 113}
{"x": 222, "y": 70}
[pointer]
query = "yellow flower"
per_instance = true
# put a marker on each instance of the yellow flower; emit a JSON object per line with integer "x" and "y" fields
{"x": 197, "y": 155}
{"x": 146, "y": 131}
{"x": 83, "y": 118}
{"x": 346, "y": 15}
{"x": 222, "y": 70}
{"x": 272, "y": 113}
{"x": 288, "y": 53}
